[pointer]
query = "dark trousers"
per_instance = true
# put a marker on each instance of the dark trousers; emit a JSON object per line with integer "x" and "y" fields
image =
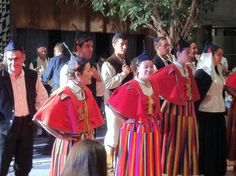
{"x": 18, "y": 143}
{"x": 212, "y": 144}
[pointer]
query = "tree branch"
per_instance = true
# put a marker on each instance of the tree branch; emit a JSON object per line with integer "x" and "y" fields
{"x": 193, "y": 13}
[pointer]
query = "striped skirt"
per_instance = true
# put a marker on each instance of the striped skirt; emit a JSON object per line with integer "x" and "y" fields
{"x": 179, "y": 141}
{"x": 139, "y": 149}
{"x": 231, "y": 131}
{"x": 60, "y": 151}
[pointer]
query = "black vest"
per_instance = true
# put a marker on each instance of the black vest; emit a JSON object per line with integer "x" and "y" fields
{"x": 116, "y": 63}
{"x": 7, "y": 97}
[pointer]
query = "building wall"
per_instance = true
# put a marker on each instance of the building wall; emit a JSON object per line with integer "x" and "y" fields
{"x": 223, "y": 15}
{"x": 226, "y": 38}
{"x": 4, "y": 23}
{"x": 47, "y": 14}
{"x": 223, "y": 23}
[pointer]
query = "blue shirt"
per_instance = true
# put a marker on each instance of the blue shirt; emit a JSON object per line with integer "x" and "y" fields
{"x": 52, "y": 72}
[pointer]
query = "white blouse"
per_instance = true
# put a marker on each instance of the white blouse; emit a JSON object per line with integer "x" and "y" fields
{"x": 214, "y": 101}
{"x": 146, "y": 87}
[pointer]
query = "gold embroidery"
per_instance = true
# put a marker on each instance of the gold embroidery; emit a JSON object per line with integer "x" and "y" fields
{"x": 189, "y": 89}
{"x": 81, "y": 113}
{"x": 87, "y": 131}
{"x": 150, "y": 105}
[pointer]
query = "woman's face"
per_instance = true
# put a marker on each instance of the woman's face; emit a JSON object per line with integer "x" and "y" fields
{"x": 145, "y": 70}
{"x": 183, "y": 57}
{"x": 217, "y": 57}
{"x": 86, "y": 76}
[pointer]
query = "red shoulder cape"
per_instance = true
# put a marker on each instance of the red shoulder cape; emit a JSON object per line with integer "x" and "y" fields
{"x": 129, "y": 101}
{"x": 231, "y": 80}
{"x": 172, "y": 86}
{"x": 61, "y": 112}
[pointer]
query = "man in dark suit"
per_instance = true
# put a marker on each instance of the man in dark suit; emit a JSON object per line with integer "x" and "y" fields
{"x": 21, "y": 94}
{"x": 162, "y": 48}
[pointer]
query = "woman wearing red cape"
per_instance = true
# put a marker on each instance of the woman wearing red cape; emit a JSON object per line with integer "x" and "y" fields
{"x": 179, "y": 142}
{"x": 70, "y": 114}
{"x": 136, "y": 103}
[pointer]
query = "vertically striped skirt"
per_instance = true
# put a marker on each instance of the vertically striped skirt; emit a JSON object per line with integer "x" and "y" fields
{"x": 60, "y": 152}
{"x": 179, "y": 141}
{"x": 139, "y": 149}
{"x": 231, "y": 131}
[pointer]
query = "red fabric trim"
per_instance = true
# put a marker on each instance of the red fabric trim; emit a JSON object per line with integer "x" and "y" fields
{"x": 129, "y": 101}
{"x": 61, "y": 112}
{"x": 172, "y": 86}
{"x": 231, "y": 80}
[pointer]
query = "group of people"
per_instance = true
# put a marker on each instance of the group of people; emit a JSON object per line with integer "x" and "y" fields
{"x": 23, "y": 92}
{"x": 168, "y": 119}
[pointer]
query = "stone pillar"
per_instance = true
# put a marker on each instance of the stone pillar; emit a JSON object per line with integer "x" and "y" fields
{"x": 4, "y": 23}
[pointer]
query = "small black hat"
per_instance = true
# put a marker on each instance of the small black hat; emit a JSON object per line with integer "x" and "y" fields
{"x": 119, "y": 35}
{"x": 13, "y": 45}
{"x": 72, "y": 63}
{"x": 76, "y": 62}
{"x": 208, "y": 47}
{"x": 179, "y": 46}
{"x": 41, "y": 44}
{"x": 143, "y": 57}
{"x": 81, "y": 37}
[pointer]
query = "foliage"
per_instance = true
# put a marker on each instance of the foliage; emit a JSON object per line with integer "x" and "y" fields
{"x": 170, "y": 18}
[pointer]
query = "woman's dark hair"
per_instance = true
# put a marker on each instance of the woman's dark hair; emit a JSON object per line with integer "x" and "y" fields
{"x": 180, "y": 46}
{"x": 81, "y": 38}
{"x": 86, "y": 158}
{"x": 214, "y": 48}
{"x": 210, "y": 47}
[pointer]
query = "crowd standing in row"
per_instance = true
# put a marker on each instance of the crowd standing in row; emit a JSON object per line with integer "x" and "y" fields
{"x": 167, "y": 120}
